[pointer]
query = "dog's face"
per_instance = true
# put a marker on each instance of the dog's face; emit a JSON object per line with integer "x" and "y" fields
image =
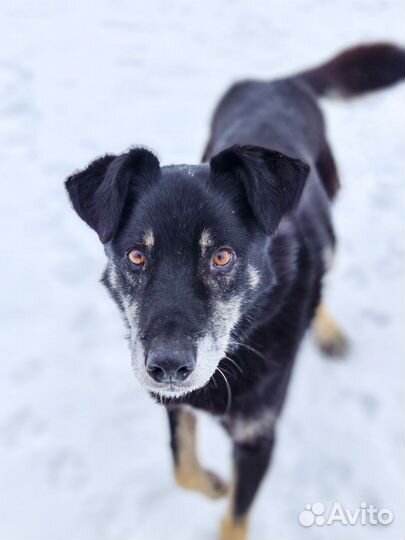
{"x": 186, "y": 250}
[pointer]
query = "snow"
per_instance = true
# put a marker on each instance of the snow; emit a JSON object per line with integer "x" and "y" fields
{"x": 83, "y": 450}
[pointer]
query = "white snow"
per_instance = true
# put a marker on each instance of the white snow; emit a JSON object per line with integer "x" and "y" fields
{"x": 83, "y": 450}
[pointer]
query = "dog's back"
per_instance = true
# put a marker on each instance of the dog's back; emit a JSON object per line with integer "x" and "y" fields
{"x": 281, "y": 114}
{"x": 284, "y": 114}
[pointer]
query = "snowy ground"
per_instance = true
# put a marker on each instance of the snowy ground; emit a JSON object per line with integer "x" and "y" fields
{"x": 83, "y": 451}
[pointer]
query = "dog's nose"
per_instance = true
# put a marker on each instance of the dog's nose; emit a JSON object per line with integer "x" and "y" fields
{"x": 170, "y": 364}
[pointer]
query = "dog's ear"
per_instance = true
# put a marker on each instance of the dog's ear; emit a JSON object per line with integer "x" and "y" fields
{"x": 271, "y": 182}
{"x": 100, "y": 192}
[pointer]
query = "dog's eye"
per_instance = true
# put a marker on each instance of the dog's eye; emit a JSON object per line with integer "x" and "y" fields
{"x": 223, "y": 257}
{"x": 136, "y": 257}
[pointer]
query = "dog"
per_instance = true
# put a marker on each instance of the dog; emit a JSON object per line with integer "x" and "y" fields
{"x": 217, "y": 267}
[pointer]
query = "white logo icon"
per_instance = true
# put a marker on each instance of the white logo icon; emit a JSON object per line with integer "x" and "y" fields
{"x": 312, "y": 514}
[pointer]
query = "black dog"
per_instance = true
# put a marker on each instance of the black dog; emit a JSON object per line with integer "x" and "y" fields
{"x": 218, "y": 267}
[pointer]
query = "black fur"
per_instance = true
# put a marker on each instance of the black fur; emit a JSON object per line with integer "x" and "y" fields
{"x": 271, "y": 209}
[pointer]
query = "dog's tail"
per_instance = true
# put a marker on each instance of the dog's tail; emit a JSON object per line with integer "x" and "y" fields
{"x": 357, "y": 70}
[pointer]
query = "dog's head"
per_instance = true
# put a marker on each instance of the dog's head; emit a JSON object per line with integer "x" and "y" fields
{"x": 186, "y": 248}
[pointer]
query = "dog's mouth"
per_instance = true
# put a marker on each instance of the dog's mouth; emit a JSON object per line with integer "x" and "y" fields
{"x": 171, "y": 389}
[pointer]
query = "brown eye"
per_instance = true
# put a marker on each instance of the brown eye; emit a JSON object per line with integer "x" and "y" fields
{"x": 136, "y": 257}
{"x": 223, "y": 257}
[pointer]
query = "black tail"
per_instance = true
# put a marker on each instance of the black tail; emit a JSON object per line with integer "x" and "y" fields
{"x": 358, "y": 70}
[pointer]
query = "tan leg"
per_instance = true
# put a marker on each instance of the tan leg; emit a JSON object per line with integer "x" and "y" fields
{"x": 328, "y": 336}
{"x": 188, "y": 472}
{"x": 233, "y": 528}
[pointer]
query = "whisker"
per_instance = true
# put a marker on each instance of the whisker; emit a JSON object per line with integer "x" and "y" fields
{"x": 250, "y": 349}
{"x": 235, "y": 364}
{"x": 269, "y": 360}
{"x": 228, "y": 387}
{"x": 228, "y": 372}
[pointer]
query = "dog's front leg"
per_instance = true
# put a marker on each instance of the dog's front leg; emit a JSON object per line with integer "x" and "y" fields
{"x": 251, "y": 460}
{"x": 188, "y": 472}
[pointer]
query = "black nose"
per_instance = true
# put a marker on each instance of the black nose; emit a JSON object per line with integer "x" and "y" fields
{"x": 170, "y": 362}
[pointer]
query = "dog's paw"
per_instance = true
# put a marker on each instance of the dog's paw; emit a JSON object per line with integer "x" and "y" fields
{"x": 332, "y": 342}
{"x": 203, "y": 481}
{"x": 215, "y": 487}
{"x": 233, "y": 530}
{"x": 330, "y": 339}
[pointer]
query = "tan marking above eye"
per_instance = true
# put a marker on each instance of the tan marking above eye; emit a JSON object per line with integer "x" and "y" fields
{"x": 222, "y": 257}
{"x": 149, "y": 239}
{"x": 136, "y": 257}
{"x": 205, "y": 240}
